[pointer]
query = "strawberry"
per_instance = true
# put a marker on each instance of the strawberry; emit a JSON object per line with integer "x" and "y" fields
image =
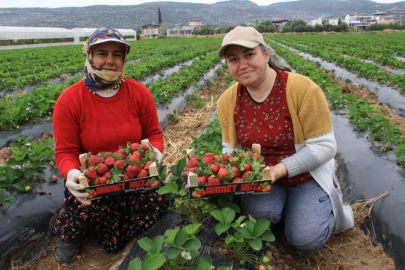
{"x": 149, "y": 183}
{"x": 260, "y": 188}
{"x": 93, "y": 159}
{"x": 250, "y": 153}
{"x": 211, "y": 155}
{"x": 120, "y": 164}
{"x": 192, "y": 163}
{"x": 134, "y": 159}
{"x": 144, "y": 147}
{"x": 147, "y": 165}
{"x": 155, "y": 183}
{"x": 55, "y": 178}
{"x": 225, "y": 158}
{"x": 91, "y": 173}
{"x": 244, "y": 175}
{"x": 109, "y": 162}
{"x": 261, "y": 267}
{"x": 267, "y": 189}
{"x": 107, "y": 175}
{"x": 237, "y": 180}
{"x": 143, "y": 173}
{"x": 132, "y": 171}
{"x": 102, "y": 180}
{"x": 137, "y": 154}
{"x": 122, "y": 153}
{"x": 96, "y": 181}
{"x": 93, "y": 193}
{"x": 186, "y": 186}
{"x": 184, "y": 174}
{"x": 202, "y": 193}
{"x": 83, "y": 163}
{"x": 102, "y": 169}
{"x": 213, "y": 181}
{"x": 222, "y": 173}
{"x": 236, "y": 172}
{"x": 208, "y": 160}
{"x": 134, "y": 147}
{"x": 193, "y": 170}
{"x": 195, "y": 194}
{"x": 222, "y": 165}
{"x": 106, "y": 154}
{"x": 257, "y": 155}
{"x": 125, "y": 177}
{"x": 214, "y": 168}
{"x": 247, "y": 167}
{"x": 202, "y": 179}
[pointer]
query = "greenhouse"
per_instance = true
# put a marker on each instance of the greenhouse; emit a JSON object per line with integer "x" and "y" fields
{"x": 12, "y": 35}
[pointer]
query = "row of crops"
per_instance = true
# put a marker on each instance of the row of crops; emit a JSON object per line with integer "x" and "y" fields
{"x": 348, "y": 50}
{"x": 359, "y": 110}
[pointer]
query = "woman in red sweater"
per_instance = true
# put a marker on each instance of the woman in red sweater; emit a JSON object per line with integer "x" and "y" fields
{"x": 103, "y": 111}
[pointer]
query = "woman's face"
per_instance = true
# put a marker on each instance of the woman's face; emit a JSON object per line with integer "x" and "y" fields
{"x": 108, "y": 55}
{"x": 247, "y": 66}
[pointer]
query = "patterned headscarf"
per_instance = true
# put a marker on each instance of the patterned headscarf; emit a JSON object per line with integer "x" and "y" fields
{"x": 98, "y": 79}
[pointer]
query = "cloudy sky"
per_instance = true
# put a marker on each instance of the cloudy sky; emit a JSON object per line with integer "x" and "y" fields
{"x": 82, "y": 3}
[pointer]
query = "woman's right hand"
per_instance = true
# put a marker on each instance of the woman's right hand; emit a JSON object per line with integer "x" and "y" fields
{"x": 278, "y": 171}
{"x": 72, "y": 184}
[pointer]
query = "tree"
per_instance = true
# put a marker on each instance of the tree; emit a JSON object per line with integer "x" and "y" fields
{"x": 160, "y": 18}
{"x": 266, "y": 27}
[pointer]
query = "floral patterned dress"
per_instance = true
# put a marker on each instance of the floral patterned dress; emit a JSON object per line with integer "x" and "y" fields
{"x": 269, "y": 124}
{"x": 114, "y": 219}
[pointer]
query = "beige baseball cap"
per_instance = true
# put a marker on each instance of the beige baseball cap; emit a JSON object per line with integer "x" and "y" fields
{"x": 245, "y": 36}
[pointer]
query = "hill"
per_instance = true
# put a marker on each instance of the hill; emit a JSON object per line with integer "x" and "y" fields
{"x": 224, "y": 13}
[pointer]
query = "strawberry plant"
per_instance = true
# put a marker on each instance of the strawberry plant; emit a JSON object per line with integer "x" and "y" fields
{"x": 5, "y": 199}
{"x": 245, "y": 238}
{"x": 182, "y": 253}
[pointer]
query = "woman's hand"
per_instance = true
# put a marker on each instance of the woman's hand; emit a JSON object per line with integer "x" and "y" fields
{"x": 277, "y": 172}
{"x": 72, "y": 184}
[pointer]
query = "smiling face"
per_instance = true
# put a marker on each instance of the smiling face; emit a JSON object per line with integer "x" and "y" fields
{"x": 248, "y": 67}
{"x": 108, "y": 56}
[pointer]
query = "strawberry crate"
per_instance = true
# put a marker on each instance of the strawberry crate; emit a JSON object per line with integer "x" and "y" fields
{"x": 203, "y": 182}
{"x": 147, "y": 177}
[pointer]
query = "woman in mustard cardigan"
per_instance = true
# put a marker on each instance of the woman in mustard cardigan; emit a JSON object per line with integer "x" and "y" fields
{"x": 287, "y": 114}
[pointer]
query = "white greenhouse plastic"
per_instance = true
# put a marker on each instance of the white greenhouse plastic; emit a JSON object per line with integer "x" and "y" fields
{"x": 20, "y": 33}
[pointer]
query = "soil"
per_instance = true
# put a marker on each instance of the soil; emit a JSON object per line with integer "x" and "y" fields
{"x": 348, "y": 250}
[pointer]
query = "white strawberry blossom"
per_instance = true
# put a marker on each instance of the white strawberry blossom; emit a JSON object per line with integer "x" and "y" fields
{"x": 242, "y": 225}
{"x": 186, "y": 255}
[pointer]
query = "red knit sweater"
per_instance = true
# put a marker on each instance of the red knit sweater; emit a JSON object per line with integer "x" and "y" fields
{"x": 86, "y": 122}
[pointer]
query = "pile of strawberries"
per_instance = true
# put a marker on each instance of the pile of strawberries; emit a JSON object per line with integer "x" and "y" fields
{"x": 126, "y": 163}
{"x": 240, "y": 166}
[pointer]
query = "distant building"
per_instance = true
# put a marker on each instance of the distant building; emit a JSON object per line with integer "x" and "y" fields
{"x": 280, "y": 24}
{"x": 150, "y": 30}
{"x": 388, "y": 17}
{"x": 177, "y": 32}
{"x": 195, "y": 23}
{"x": 361, "y": 23}
{"x": 333, "y": 21}
{"x": 314, "y": 22}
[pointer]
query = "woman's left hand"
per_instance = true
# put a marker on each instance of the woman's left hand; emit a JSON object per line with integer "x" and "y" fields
{"x": 159, "y": 155}
{"x": 278, "y": 171}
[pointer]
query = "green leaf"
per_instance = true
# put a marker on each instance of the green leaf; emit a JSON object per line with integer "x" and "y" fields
{"x": 260, "y": 227}
{"x": 229, "y": 215}
{"x": 268, "y": 236}
{"x": 220, "y": 229}
{"x": 19, "y": 186}
{"x": 218, "y": 215}
{"x": 204, "y": 266}
{"x": 13, "y": 162}
{"x": 192, "y": 228}
{"x": 154, "y": 262}
{"x": 136, "y": 264}
{"x": 180, "y": 238}
{"x": 168, "y": 188}
{"x": 256, "y": 244}
{"x": 192, "y": 244}
{"x": 2, "y": 177}
{"x": 158, "y": 243}
{"x": 246, "y": 232}
{"x": 181, "y": 165}
{"x": 225, "y": 268}
{"x": 191, "y": 267}
{"x": 10, "y": 174}
{"x": 205, "y": 259}
{"x": 35, "y": 147}
{"x": 147, "y": 245}
{"x": 172, "y": 252}
{"x": 183, "y": 192}
{"x": 229, "y": 239}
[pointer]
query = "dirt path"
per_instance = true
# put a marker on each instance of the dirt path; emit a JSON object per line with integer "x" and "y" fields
{"x": 348, "y": 250}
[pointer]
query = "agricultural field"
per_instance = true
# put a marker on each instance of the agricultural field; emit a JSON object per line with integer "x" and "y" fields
{"x": 186, "y": 77}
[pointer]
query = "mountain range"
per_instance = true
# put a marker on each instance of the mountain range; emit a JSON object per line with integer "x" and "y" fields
{"x": 220, "y": 14}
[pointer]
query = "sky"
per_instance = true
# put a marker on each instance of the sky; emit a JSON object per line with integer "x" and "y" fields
{"x": 82, "y": 3}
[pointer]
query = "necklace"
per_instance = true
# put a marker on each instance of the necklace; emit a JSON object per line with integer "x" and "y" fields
{"x": 114, "y": 88}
